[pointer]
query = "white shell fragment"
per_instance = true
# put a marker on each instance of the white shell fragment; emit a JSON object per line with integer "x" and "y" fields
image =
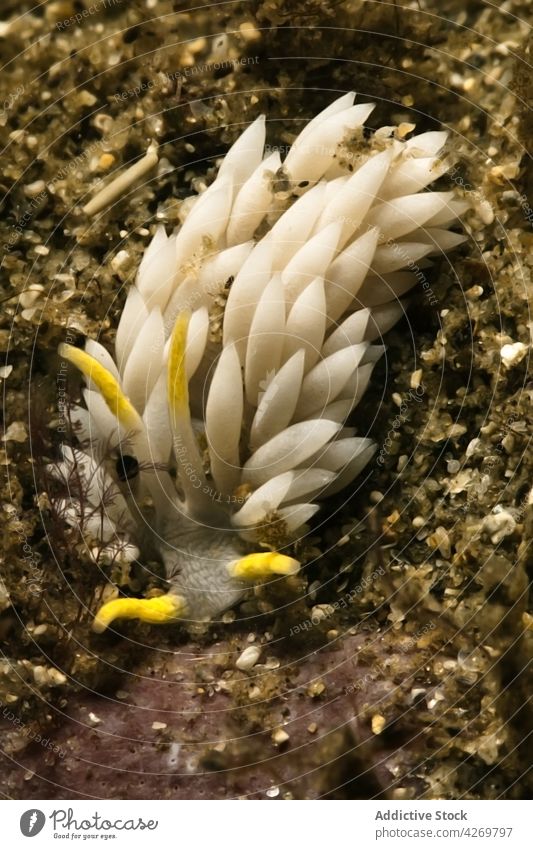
{"x": 248, "y": 658}
{"x": 513, "y": 353}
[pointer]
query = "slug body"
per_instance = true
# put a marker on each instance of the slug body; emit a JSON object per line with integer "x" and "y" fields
{"x": 243, "y": 347}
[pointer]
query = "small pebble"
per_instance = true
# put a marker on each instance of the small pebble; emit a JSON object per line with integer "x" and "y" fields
{"x": 499, "y": 525}
{"x": 279, "y": 737}
{"x": 402, "y": 462}
{"x": 378, "y": 723}
{"x": 416, "y": 378}
{"x": 34, "y": 189}
{"x": 248, "y": 658}
{"x": 485, "y": 212}
{"x": 440, "y": 539}
{"x": 16, "y": 432}
{"x": 315, "y": 689}
{"x": 48, "y": 676}
{"x": 106, "y": 161}
{"x": 119, "y": 260}
{"x": 513, "y": 354}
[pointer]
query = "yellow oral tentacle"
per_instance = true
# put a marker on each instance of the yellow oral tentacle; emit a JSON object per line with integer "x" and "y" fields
{"x": 119, "y": 405}
{"x": 156, "y": 611}
{"x": 263, "y": 565}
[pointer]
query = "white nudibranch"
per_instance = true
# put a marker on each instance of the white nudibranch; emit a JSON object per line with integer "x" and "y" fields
{"x": 243, "y": 347}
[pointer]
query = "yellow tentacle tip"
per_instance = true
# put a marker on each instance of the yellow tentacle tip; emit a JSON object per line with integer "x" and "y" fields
{"x": 119, "y": 405}
{"x": 263, "y": 565}
{"x": 157, "y": 611}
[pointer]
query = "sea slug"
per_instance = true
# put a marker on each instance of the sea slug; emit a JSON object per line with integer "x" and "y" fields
{"x": 242, "y": 349}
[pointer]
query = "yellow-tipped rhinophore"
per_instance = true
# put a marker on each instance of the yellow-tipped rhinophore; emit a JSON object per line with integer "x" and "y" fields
{"x": 177, "y": 386}
{"x": 263, "y": 565}
{"x": 118, "y": 403}
{"x": 157, "y": 611}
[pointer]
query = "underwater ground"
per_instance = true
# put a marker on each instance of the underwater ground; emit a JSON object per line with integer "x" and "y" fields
{"x": 399, "y": 665}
